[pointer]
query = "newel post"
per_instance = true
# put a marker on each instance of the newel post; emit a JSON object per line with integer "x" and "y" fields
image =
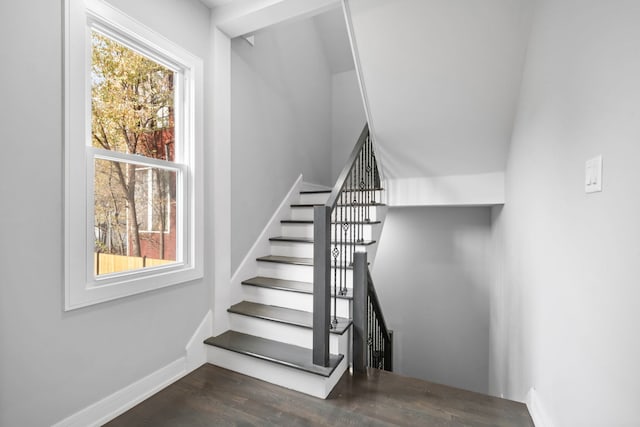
{"x": 321, "y": 284}
{"x": 360, "y": 287}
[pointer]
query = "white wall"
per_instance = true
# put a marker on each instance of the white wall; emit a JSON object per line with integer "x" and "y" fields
{"x": 569, "y": 280}
{"x": 53, "y": 363}
{"x": 280, "y": 124}
{"x": 347, "y": 118}
{"x": 432, "y": 278}
{"x": 442, "y": 80}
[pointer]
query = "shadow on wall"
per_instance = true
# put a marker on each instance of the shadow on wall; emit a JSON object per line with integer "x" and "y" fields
{"x": 432, "y": 276}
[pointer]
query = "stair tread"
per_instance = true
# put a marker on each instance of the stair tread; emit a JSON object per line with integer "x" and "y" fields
{"x": 346, "y": 189}
{"x": 287, "y": 260}
{"x": 274, "y": 351}
{"x": 315, "y": 191}
{"x": 310, "y": 221}
{"x": 312, "y": 205}
{"x": 310, "y": 240}
{"x": 359, "y": 190}
{"x": 284, "y": 315}
{"x": 287, "y": 285}
{"x": 280, "y": 259}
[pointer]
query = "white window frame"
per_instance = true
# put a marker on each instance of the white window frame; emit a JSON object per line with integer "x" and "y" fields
{"x": 82, "y": 286}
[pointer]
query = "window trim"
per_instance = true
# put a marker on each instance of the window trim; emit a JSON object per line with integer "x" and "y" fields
{"x": 82, "y": 288}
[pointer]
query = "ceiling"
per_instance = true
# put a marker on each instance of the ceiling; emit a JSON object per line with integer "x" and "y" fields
{"x": 335, "y": 40}
{"x": 216, "y": 3}
{"x": 330, "y": 25}
{"x": 442, "y": 79}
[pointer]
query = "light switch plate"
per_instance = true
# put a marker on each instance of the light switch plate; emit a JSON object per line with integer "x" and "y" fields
{"x": 593, "y": 175}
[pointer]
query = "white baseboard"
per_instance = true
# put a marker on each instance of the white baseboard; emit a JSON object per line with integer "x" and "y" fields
{"x": 196, "y": 354}
{"x": 124, "y": 399}
{"x": 539, "y": 415}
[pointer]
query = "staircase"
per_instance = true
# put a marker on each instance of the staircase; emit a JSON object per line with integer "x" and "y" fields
{"x": 271, "y": 333}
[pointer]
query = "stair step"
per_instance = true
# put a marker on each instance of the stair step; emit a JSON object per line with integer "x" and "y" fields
{"x": 315, "y": 191}
{"x": 287, "y": 260}
{"x": 279, "y": 259}
{"x": 358, "y": 190}
{"x": 346, "y": 189}
{"x": 284, "y": 315}
{"x": 274, "y": 351}
{"x": 291, "y": 239}
{"x": 313, "y": 205}
{"x": 310, "y": 240}
{"x": 288, "y": 285}
{"x": 305, "y": 221}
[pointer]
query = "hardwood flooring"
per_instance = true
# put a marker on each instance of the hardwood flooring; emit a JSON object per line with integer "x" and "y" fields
{"x": 212, "y": 396}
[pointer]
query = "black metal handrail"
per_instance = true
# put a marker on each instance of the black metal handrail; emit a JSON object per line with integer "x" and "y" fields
{"x": 339, "y": 230}
{"x": 342, "y": 180}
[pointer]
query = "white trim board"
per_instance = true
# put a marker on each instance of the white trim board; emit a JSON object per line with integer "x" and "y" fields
{"x": 117, "y": 403}
{"x": 454, "y": 190}
{"x": 122, "y": 400}
{"x": 196, "y": 352}
{"x": 244, "y": 17}
{"x": 538, "y": 414}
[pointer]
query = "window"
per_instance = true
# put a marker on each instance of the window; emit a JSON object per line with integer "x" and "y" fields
{"x": 132, "y": 175}
{"x": 155, "y": 194}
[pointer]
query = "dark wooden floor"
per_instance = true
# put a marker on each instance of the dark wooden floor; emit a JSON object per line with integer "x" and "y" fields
{"x": 212, "y": 396}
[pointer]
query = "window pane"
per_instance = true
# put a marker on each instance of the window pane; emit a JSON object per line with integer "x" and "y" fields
{"x": 134, "y": 216}
{"x": 132, "y": 101}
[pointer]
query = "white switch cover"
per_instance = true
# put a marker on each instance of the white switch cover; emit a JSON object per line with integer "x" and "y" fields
{"x": 593, "y": 175}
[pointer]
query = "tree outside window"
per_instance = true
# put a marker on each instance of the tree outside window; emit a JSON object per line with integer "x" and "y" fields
{"x": 132, "y": 111}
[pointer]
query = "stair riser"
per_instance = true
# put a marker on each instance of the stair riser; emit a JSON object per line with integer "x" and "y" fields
{"x": 303, "y": 250}
{"x": 294, "y": 379}
{"x": 292, "y": 249}
{"x": 306, "y": 230}
{"x": 301, "y": 273}
{"x": 287, "y": 299}
{"x": 314, "y": 198}
{"x": 289, "y": 334}
{"x": 297, "y": 230}
{"x": 361, "y": 214}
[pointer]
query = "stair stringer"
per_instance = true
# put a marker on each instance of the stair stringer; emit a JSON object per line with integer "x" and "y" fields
{"x": 249, "y": 266}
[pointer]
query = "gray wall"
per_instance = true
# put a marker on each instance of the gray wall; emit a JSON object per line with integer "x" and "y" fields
{"x": 442, "y": 80}
{"x": 432, "y": 278}
{"x": 347, "y": 118}
{"x": 280, "y": 124}
{"x": 569, "y": 313}
{"x": 52, "y": 363}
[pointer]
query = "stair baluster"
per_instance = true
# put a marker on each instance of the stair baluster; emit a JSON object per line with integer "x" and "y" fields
{"x": 338, "y": 229}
